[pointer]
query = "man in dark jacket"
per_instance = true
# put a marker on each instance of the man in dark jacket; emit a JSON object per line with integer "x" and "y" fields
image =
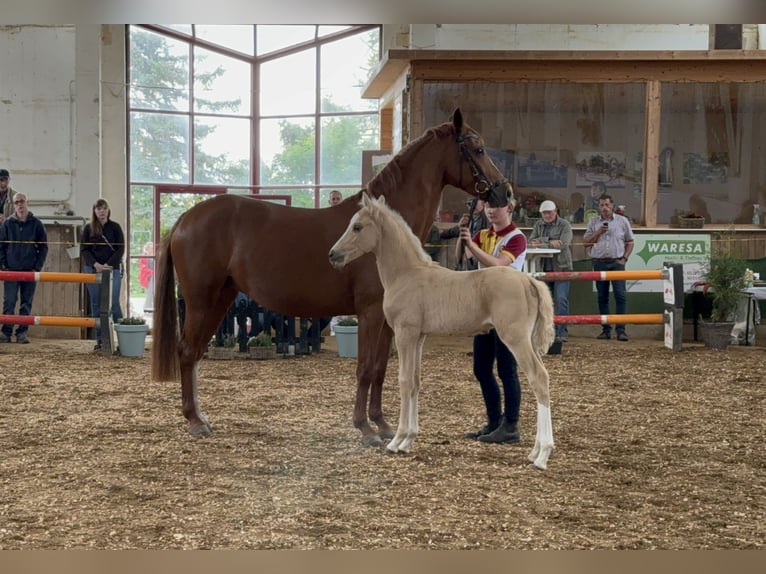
{"x": 23, "y": 247}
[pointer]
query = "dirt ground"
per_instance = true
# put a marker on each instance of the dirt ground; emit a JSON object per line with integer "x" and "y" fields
{"x": 654, "y": 449}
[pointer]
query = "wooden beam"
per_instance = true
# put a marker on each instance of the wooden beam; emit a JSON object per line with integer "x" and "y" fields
{"x": 651, "y": 152}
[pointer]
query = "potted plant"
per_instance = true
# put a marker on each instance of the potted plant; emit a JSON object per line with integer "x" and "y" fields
{"x": 225, "y": 349}
{"x": 131, "y": 336}
{"x": 725, "y": 279}
{"x": 346, "y": 335}
{"x": 691, "y": 220}
{"x": 261, "y": 347}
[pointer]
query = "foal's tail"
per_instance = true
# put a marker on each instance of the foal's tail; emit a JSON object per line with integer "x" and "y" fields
{"x": 165, "y": 335}
{"x": 543, "y": 332}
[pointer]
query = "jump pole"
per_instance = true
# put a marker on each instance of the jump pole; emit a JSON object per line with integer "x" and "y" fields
{"x": 50, "y": 321}
{"x": 50, "y": 276}
{"x": 627, "y": 319}
{"x": 672, "y": 276}
{"x": 645, "y": 274}
{"x": 104, "y": 278}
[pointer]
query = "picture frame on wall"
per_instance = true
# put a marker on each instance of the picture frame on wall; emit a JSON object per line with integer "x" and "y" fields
{"x": 606, "y": 167}
{"x": 542, "y": 168}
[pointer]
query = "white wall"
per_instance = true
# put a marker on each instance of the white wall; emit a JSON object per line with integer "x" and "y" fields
{"x": 37, "y": 112}
{"x": 51, "y": 116}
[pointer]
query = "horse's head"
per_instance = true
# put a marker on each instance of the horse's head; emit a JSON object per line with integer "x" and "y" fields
{"x": 361, "y": 235}
{"x": 489, "y": 183}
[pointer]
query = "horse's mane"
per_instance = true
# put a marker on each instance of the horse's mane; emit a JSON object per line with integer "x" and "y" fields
{"x": 380, "y": 212}
{"x": 391, "y": 176}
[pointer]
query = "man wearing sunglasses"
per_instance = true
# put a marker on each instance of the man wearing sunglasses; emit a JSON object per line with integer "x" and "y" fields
{"x": 23, "y": 247}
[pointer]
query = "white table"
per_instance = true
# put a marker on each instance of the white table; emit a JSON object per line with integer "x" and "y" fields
{"x": 535, "y": 253}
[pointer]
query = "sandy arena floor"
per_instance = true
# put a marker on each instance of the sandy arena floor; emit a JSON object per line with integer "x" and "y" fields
{"x": 654, "y": 449}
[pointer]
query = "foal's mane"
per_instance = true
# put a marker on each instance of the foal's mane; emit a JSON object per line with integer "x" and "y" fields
{"x": 391, "y": 176}
{"x": 381, "y": 214}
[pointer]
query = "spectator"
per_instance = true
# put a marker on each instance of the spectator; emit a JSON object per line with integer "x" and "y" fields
{"x": 500, "y": 245}
{"x": 554, "y": 231}
{"x": 335, "y": 198}
{"x": 146, "y": 275}
{"x": 610, "y": 239}
{"x": 6, "y": 195}
{"x": 23, "y": 247}
{"x": 102, "y": 245}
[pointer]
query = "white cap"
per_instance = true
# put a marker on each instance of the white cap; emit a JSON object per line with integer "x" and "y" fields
{"x": 547, "y": 205}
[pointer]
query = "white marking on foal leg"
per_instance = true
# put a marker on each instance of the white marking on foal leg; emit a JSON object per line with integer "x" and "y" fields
{"x": 544, "y": 439}
{"x": 412, "y": 427}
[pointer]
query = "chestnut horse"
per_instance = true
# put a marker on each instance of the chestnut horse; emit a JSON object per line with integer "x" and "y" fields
{"x": 278, "y": 256}
{"x": 423, "y": 298}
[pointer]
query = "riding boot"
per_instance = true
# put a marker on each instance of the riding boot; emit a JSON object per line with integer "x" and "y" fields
{"x": 483, "y": 431}
{"x": 506, "y": 433}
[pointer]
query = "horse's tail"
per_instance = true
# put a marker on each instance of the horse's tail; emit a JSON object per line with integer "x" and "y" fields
{"x": 543, "y": 332}
{"x": 165, "y": 335}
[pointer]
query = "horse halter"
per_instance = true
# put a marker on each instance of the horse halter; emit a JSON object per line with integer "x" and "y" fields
{"x": 489, "y": 192}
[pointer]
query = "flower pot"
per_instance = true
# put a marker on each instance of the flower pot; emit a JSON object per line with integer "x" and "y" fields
{"x": 691, "y": 222}
{"x": 716, "y": 335}
{"x": 347, "y": 338}
{"x": 131, "y": 339}
{"x": 221, "y": 353}
{"x": 262, "y": 353}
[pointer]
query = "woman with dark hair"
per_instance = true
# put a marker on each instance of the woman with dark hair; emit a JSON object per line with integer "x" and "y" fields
{"x": 103, "y": 245}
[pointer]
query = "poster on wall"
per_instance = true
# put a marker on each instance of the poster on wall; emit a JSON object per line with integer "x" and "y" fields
{"x": 503, "y": 160}
{"x": 652, "y": 251}
{"x": 606, "y": 167}
{"x": 706, "y": 168}
{"x": 541, "y": 169}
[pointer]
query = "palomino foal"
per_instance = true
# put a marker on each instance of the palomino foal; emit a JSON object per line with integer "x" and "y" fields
{"x": 422, "y": 298}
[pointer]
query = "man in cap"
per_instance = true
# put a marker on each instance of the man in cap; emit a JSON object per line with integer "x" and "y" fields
{"x": 6, "y": 195}
{"x": 555, "y": 232}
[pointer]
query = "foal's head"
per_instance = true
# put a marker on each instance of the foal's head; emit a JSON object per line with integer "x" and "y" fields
{"x": 361, "y": 235}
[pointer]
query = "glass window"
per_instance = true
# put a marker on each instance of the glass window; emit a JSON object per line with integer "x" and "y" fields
{"x": 711, "y": 141}
{"x": 287, "y": 151}
{"x": 222, "y": 150}
{"x": 236, "y": 37}
{"x": 346, "y": 67}
{"x": 159, "y": 147}
{"x": 288, "y": 85}
{"x": 303, "y": 197}
{"x": 221, "y": 84}
{"x": 342, "y": 140}
{"x": 273, "y": 38}
{"x": 555, "y": 140}
{"x": 159, "y": 72}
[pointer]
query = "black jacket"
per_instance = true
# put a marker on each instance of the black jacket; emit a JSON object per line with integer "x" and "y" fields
{"x": 23, "y": 244}
{"x": 106, "y": 249}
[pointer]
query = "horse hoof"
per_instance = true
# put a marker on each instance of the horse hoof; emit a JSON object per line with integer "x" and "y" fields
{"x": 372, "y": 440}
{"x": 200, "y": 430}
{"x": 386, "y": 433}
{"x": 535, "y": 467}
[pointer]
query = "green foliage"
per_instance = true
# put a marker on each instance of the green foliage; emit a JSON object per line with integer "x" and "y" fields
{"x": 261, "y": 340}
{"x": 230, "y": 341}
{"x": 131, "y": 321}
{"x": 725, "y": 276}
{"x": 348, "y": 322}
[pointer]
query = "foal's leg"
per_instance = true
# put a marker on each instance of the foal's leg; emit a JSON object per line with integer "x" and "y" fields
{"x": 202, "y": 319}
{"x": 413, "y": 423}
{"x": 407, "y": 344}
{"x": 537, "y": 375}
